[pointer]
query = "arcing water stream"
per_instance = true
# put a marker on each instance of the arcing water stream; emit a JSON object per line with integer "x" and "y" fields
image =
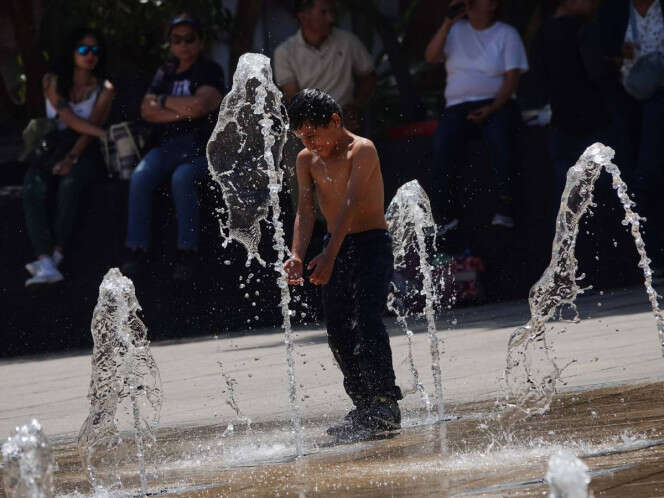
{"x": 531, "y": 375}
{"x": 408, "y": 215}
{"x": 403, "y": 323}
{"x": 243, "y": 156}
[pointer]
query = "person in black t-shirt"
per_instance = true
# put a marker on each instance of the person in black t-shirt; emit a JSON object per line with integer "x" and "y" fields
{"x": 562, "y": 52}
{"x": 181, "y": 103}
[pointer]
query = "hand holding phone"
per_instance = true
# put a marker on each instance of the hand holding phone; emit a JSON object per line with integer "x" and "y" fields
{"x": 455, "y": 10}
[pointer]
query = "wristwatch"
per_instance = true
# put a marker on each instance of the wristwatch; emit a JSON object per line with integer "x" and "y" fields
{"x": 73, "y": 158}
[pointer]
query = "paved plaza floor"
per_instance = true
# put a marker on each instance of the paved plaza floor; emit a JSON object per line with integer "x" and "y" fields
{"x": 615, "y": 343}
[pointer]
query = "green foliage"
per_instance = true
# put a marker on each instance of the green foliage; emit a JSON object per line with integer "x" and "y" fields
{"x": 134, "y": 29}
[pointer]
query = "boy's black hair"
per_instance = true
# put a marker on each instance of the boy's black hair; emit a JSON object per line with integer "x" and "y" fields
{"x": 312, "y": 106}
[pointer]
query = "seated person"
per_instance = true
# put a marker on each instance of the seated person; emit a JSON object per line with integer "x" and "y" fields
{"x": 630, "y": 30}
{"x": 579, "y": 117}
{"x": 322, "y": 56}
{"x": 79, "y": 98}
{"x": 483, "y": 58}
{"x": 182, "y": 103}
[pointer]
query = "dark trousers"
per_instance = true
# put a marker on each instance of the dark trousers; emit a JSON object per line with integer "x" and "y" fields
{"x": 354, "y": 300}
{"x": 565, "y": 149}
{"x": 649, "y": 174}
{"x": 639, "y": 131}
{"x": 453, "y": 131}
{"x": 48, "y": 227}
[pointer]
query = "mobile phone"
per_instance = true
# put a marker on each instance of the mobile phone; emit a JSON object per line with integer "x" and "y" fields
{"x": 455, "y": 10}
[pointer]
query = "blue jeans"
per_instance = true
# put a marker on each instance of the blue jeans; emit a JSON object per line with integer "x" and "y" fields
{"x": 180, "y": 160}
{"x": 453, "y": 130}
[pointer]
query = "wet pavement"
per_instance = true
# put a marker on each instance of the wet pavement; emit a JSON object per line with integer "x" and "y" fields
{"x": 609, "y": 413}
{"x": 617, "y": 431}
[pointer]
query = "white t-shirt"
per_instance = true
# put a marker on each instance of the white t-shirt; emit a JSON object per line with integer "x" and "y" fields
{"x": 330, "y": 68}
{"x": 476, "y": 61}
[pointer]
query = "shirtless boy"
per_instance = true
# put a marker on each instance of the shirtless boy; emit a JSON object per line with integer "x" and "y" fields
{"x": 356, "y": 265}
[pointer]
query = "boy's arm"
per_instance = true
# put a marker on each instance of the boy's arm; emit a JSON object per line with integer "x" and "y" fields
{"x": 305, "y": 217}
{"x": 365, "y": 161}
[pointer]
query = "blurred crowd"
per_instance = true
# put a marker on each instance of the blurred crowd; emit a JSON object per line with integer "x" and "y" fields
{"x": 599, "y": 66}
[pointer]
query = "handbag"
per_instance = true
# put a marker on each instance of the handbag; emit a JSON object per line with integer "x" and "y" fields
{"x": 646, "y": 76}
{"x": 51, "y": 148}
{"x": 121, "y": 152}
{"x": 36, "y": 129}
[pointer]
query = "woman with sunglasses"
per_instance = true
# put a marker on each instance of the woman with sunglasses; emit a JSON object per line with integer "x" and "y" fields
{"x": 181, "y": 103}
{"x": 79, "y": 98}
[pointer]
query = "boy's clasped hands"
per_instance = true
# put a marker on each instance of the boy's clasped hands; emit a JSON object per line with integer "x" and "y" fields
{"x": 322, "y": 266}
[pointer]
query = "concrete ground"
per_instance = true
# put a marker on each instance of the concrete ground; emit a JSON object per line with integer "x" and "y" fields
{"x": 616, "y": 343}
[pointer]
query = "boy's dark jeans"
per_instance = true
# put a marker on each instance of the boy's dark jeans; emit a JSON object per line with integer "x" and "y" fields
{"x": 354, "y": 300}
{"x": 46, "y": 228}
{"x": 453, "y": 131}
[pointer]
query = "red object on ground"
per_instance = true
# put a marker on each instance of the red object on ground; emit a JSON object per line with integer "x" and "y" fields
{"x": 419, "y": 129}
{"x": 467, "y": 269}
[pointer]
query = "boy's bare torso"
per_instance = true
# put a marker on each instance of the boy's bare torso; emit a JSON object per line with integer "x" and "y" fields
{"x": 330, "y": 179}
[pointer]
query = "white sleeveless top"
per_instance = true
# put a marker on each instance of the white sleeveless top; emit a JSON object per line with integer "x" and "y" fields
{"x": 82, "y": 109}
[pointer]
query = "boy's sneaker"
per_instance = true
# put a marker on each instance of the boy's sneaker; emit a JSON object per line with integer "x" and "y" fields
{"x": 382, "y": 415}
{"x": 186, "y": 262}
{"x": 33, "y": 267}
{"x": 135, "y": 262}
{"x": 46, "y": 274}
{"x": 348, "y": 425}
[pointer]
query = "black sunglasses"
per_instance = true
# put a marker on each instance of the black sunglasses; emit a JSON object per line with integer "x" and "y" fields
{"x": 177, "y": 39}
{"x": 86, "y": 49}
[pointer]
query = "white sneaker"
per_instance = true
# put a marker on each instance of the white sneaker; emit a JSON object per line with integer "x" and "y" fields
{"x": 47, "y": 273}
{"x": 502, "y": 220}
{"x": 33, "y": 267}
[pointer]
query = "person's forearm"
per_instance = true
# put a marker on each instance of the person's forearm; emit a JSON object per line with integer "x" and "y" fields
{"x": 154, "y": 114}
{"x": 507, "y": 90}
{"x": 437, "y": 44}
{"x": 78, "y": 124}
{"x": 365, "y": 90}
{"x": 302, "y": 230}
{"x": 185, "y": 107}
